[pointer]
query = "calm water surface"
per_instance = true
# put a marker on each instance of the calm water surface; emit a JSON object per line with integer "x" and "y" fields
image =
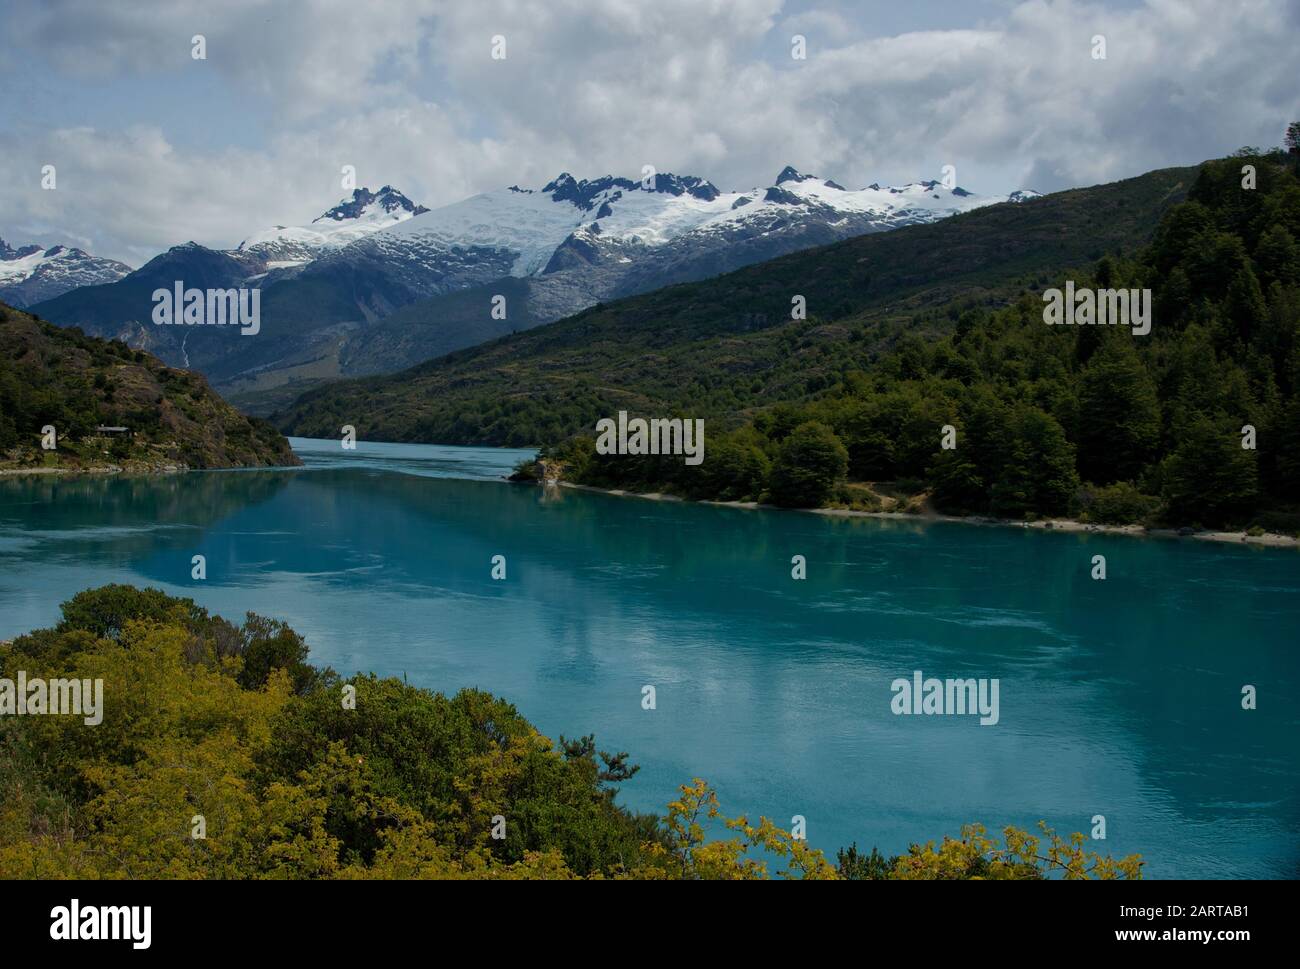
{"x": 1119, "y": 698}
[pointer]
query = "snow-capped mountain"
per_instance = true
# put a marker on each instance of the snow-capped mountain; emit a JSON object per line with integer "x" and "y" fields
{"x": 572, "y": 243}
{"x": 585, "y": 241}
{"x": 620, "y": 230}
{"x": 287, "y": 247}
{"x": 33, "y": 273}
{"x": 378, "y": 283}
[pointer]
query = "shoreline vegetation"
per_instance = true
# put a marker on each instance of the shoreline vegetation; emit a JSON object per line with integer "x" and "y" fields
{"x": 1192, "y": 428}
{"x": 222, "y": 753}
{"x": 918, "y": 512}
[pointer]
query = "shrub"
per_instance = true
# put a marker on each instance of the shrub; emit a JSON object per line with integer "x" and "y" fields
{"x": 810, "y": 462}
{"x": 406, "y": 783}
{"x": 1120, "y": 503}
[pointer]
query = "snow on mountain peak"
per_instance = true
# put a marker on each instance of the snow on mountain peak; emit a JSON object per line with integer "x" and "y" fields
{"x": 353, "y": 218}
{"x": 366, "y": 204}
{"x": 9, "y": 254}
{"x": 522, "y": 229}
{"x": 33, "y": 273}
{"x": 586, "y": 194}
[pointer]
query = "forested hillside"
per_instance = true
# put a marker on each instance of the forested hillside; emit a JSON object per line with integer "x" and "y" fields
{"x": 726, "y": 347}
{"x": 53, "y": 377}
{"x": 1197, "y": 422}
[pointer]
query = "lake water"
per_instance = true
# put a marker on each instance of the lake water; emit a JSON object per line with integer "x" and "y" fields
{"x": 1119, "y": 697}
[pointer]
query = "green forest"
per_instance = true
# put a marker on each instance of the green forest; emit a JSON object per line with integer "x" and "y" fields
{"x": 1093, "y": 422}
{"x": 223, "y": 753}
{"x": 75, "y": 383}
{"x": 726, "y": 348}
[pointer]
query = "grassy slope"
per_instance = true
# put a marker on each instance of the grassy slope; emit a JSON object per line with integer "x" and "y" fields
{"x": 61, "y": 377}
{"x": 723, "y": 347}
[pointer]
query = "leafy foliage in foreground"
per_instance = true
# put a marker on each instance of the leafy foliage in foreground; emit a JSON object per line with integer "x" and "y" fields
{"x": 206, "y": 718}
{"x": 1084, "y": 420}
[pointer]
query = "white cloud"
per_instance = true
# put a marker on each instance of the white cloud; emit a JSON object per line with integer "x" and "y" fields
{"x": 306, "y": 56}
{"x": 699, "y": 86}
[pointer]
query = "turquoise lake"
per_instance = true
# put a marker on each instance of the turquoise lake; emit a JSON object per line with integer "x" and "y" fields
{"x": 1119, "y": 698}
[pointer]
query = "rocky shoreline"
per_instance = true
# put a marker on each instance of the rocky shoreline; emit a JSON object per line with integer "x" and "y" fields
{"x": 97, "y": 469}
{"x": 1268, "y": 539}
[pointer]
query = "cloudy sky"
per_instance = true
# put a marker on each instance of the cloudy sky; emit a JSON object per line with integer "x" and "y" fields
{"x": 152, "y": 147}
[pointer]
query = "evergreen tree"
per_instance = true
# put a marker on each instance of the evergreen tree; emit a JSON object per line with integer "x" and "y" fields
{"x": 1210, "y": 478}
{"x": 1012, "y": 495}
{"x": 1119, "y": 414}
{"x": 810, "y": 463}
{"x": 958, "y": 485}
{"x": 1052, "y": 460}
{"x": 1278, "y": 257}
{"x": 1244, "y": 307}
